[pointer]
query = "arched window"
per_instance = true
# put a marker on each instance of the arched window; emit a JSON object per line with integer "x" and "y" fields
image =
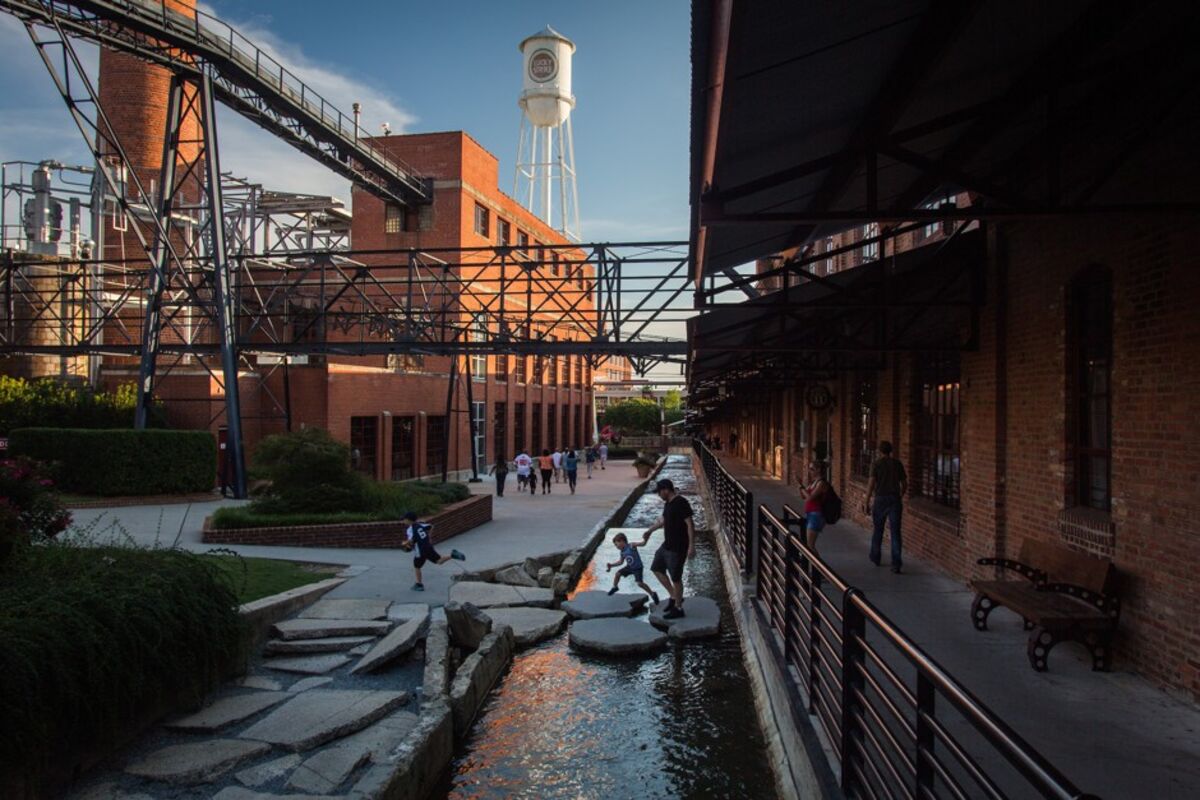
{"x": 1090, "y": 397}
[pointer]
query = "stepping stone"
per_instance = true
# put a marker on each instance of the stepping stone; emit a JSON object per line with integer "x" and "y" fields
{"x": 346, "y": 608}
{"x": 468, "y": 624}
{"x": 361, "y": 650}
{"x": 596, "y": 604}
{"x": 392, "y": 646}
{"x": 228, "y": 710}
{"x": 516, "y": 576}
{"x": 615, "y": 636}
{"x": 403, "y": 611}
{"x": 304, "y": 684}
{"x": 703, "y": 619}
{"x": 238, "y": 793}
{"x": 318, "y": 716}
{"x": 265, "y": 773}
{"x": 495, "y": 595}
{"x": 196, "y": 762}
{"x": 312, "y": 665}
{"x": 326, "y": 628}
{"x": 334, "y": 644}
{"x": 529, "y": 625}
{"x": 329, "y": 768}
{"x": 259, "y": 682}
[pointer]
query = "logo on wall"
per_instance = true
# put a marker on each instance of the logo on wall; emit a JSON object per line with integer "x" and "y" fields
{"x": 818, "y": 397}
{"x": 543, "y": 66}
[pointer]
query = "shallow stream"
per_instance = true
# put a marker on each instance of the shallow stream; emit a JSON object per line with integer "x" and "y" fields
{"x": 680, "y": 724}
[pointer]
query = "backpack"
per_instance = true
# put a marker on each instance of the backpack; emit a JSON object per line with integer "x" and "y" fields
{"x": 831, "y": 506}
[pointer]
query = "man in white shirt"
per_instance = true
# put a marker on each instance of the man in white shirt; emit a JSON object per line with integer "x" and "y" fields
{"x": 524, "y": 464}
{"x": 556, "y": 457}
{"x": 603, "y": 454}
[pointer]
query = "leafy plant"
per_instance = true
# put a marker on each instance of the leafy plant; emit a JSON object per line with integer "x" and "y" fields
{"x": 47, "y": 402}
{"x": 646, "y": 459}
{"x": 30, "y": 510}
{"x": 636, "y": 415}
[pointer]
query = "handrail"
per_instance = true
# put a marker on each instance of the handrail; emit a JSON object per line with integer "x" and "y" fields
{"x": 734, "y": 504}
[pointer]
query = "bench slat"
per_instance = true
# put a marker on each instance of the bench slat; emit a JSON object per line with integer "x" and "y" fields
{"x": 1048, "y": 609}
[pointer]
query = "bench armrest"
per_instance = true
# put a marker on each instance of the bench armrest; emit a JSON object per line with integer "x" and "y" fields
{"x": 1108, "y": 604}
{"x": 1024, "y": 570}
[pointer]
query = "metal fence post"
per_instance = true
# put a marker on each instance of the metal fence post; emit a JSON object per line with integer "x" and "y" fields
{"x": 748, "y": 522}
{"x": 853, "y": 629}
{"x": 926, "y": 695}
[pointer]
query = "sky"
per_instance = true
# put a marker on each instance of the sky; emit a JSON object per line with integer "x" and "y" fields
{"x": 433, "y": 66}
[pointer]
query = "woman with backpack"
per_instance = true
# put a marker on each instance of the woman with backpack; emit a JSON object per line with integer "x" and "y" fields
{"x": 814, "y": 493}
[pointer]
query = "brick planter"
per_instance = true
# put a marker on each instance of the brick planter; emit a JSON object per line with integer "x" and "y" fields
{"x": 450, "y": 521}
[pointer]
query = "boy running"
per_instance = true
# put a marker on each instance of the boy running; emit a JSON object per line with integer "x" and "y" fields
{"x": 418, "y": 537}
{"x": 633, "y": 566}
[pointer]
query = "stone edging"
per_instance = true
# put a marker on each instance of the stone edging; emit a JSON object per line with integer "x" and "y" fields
{"x": 452, "y": 520}
{"x": 120, "y": 501}
{"x": 259, "y": 615}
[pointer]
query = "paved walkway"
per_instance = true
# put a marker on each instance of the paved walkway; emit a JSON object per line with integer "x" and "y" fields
{"x": 1113, "y": 734}
{"x": 520, "y": 525}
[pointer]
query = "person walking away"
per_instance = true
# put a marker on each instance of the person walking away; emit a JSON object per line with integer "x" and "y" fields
{"x": 420, "y": 537}
{"x": 888, "y": 485}
{"x": 733, "y": 437}
{"x": 632, "y": 566}
{"x": 603, "y": 450}
{"x": 524, "y": 466}
{"x": 571, "y": 467}
{"x": 546, "y": 465}
{"x": 500, "y": 470}
{"x": 679, "y": 544}
{"x": 556, "y": 456}
{"x": 814, "y": 493}
{"x": 590, "y": 457}
{"x": 533, "y": 482}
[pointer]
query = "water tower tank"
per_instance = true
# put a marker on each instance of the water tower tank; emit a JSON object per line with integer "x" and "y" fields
{"x": 546, "y": 98}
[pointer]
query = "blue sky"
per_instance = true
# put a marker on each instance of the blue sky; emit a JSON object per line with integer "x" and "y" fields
{"x": 423, "y": 66}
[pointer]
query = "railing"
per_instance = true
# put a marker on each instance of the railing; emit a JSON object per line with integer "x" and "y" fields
{"x": 734, "y": 505}
{"x": 897, "y": 723}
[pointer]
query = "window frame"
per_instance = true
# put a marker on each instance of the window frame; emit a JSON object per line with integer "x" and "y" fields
{"x": 393, "y": 218}
{"x": 482, "y": 220}
{"x": 436, "y": 445}
{"x": 367, "y": 447}
{"x": 1090, "y": 293}
{"x": 400, "y": 463}
{"x": 864, "y": 434}
{"x": 937, "y": 418}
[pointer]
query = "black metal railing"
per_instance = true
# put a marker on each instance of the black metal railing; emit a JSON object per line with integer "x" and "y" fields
{"x": 898, "y": 724}
{"x": 734, "y": 505}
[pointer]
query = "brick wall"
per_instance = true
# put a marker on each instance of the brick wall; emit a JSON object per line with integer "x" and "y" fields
{"x": 450, "y": 521}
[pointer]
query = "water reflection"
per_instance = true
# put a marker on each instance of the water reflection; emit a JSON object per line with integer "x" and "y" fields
{"x": 568, "y": 725}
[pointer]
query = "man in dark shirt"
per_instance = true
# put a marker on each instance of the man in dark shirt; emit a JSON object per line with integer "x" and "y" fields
{"x": 888, "y": 484}
{"x": 679, "y": 544}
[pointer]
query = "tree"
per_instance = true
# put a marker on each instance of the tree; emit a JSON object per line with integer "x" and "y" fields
{"x": 634, "y": 416}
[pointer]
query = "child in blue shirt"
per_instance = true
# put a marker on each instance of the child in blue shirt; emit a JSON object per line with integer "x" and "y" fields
{"x": 632, "y": 566}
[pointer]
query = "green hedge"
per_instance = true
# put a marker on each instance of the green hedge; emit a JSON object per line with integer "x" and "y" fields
{"x": 95, "y": 638}
{"x": 122, "y": 462}
{"x": 50, "y": 403}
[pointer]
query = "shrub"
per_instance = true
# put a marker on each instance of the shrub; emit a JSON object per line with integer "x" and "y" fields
{"x": 29, "y": 508}
{"x": 96, "y": 639}
{"x": 636, "y": 415}
{"x": 122, "y": 462}
{"x": 309, "y": 471}
{"x": 47, "y": 402}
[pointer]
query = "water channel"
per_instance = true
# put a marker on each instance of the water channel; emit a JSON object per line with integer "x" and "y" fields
{"x": 680, "y": 724}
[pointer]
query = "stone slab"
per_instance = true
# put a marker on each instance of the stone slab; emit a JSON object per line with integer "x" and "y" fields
{"x": 403, "y": 611}
{"x": 259, "y": 682}
{"x": 497, "y": 595}
{"x": 271, "y": 770}
{"x": 436, "y": 680}
{"x": 546, "y": 577}
{"x": 304, "y": 684}
{"x": 241, "y": 793}
{"x": 361, "y": 650}
{"x": 325, "y": 628}
{"x": 196, "y": 762}
{"x": 597, "y": 604}
{"x": 228, "y": 710}
{"x": 476, "y": 676}
{"x": 468, "y": 624}
{"x": 318, "y": 716}
{"x": 329, "y": 768}
{"x": 516, "y": 576}
{"x": 346, "y": 608}
{"x": 530, "y": 625}
{"x": 108, "y": 791}
{"x": 333, "y": 644}
{"x": 307, "y": 665}
{"x": 615, "y": 636}
{"x": 703, "y": 619}
{"x": 392, "y": 646}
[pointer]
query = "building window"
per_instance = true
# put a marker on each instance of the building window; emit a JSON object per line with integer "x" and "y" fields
{"x": 482, "y": 221}
{"x": 479, "y": 418}
{"x": 578, "y": 372}
{"x": 435, "y": 445}
{"x": 552, "y": 425}
{"x": 565, "y": 441}
{"x": 866, "y": 425}
{"x": 936, "y": 442}
{"x": 536, "y": 437}
{"x": 500, "y": 431}
{"x": 553, "y": 366}
{"x": 934, "y": 228}
{"x": 479, "y": 335}
{"x": 363, "y": 433}
{"x": 405, "y": 362}
{"x": 523, "y": 242}
{"x": 557, "y": 264}
{"x": 827, "y": 267}
{"x": 870, "y": 250}
{"x": 579, "y": 439}
{"x": 519, "y": 360}
{"x": 502, "y": 367}
{"x": 1090, "y": 412}
{"x": 518, "y": 427}
{"x": 393, "y": 218}
{"x": 403, "y": 441}
{"x": 505, "y": 232}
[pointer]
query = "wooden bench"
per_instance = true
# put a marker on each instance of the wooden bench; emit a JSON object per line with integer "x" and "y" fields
{"x": 1064, "y": 595}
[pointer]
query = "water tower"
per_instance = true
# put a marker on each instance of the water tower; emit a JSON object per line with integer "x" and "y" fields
{"x": 545, "y": 179}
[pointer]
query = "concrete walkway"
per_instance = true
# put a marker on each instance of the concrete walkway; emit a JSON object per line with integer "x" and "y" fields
{"x": 520, "y": 525}
{"x": 1113, "y": 734}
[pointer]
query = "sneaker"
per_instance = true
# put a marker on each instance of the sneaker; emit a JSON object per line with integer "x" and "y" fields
{"x": 418, "y": 587}
{"x": 670, "y": 604}
{"x": 654, "y": 597}
{"x": 457, "y": 556}
{"x": 612, "y": 591}
{"x": 674, "y": 613}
